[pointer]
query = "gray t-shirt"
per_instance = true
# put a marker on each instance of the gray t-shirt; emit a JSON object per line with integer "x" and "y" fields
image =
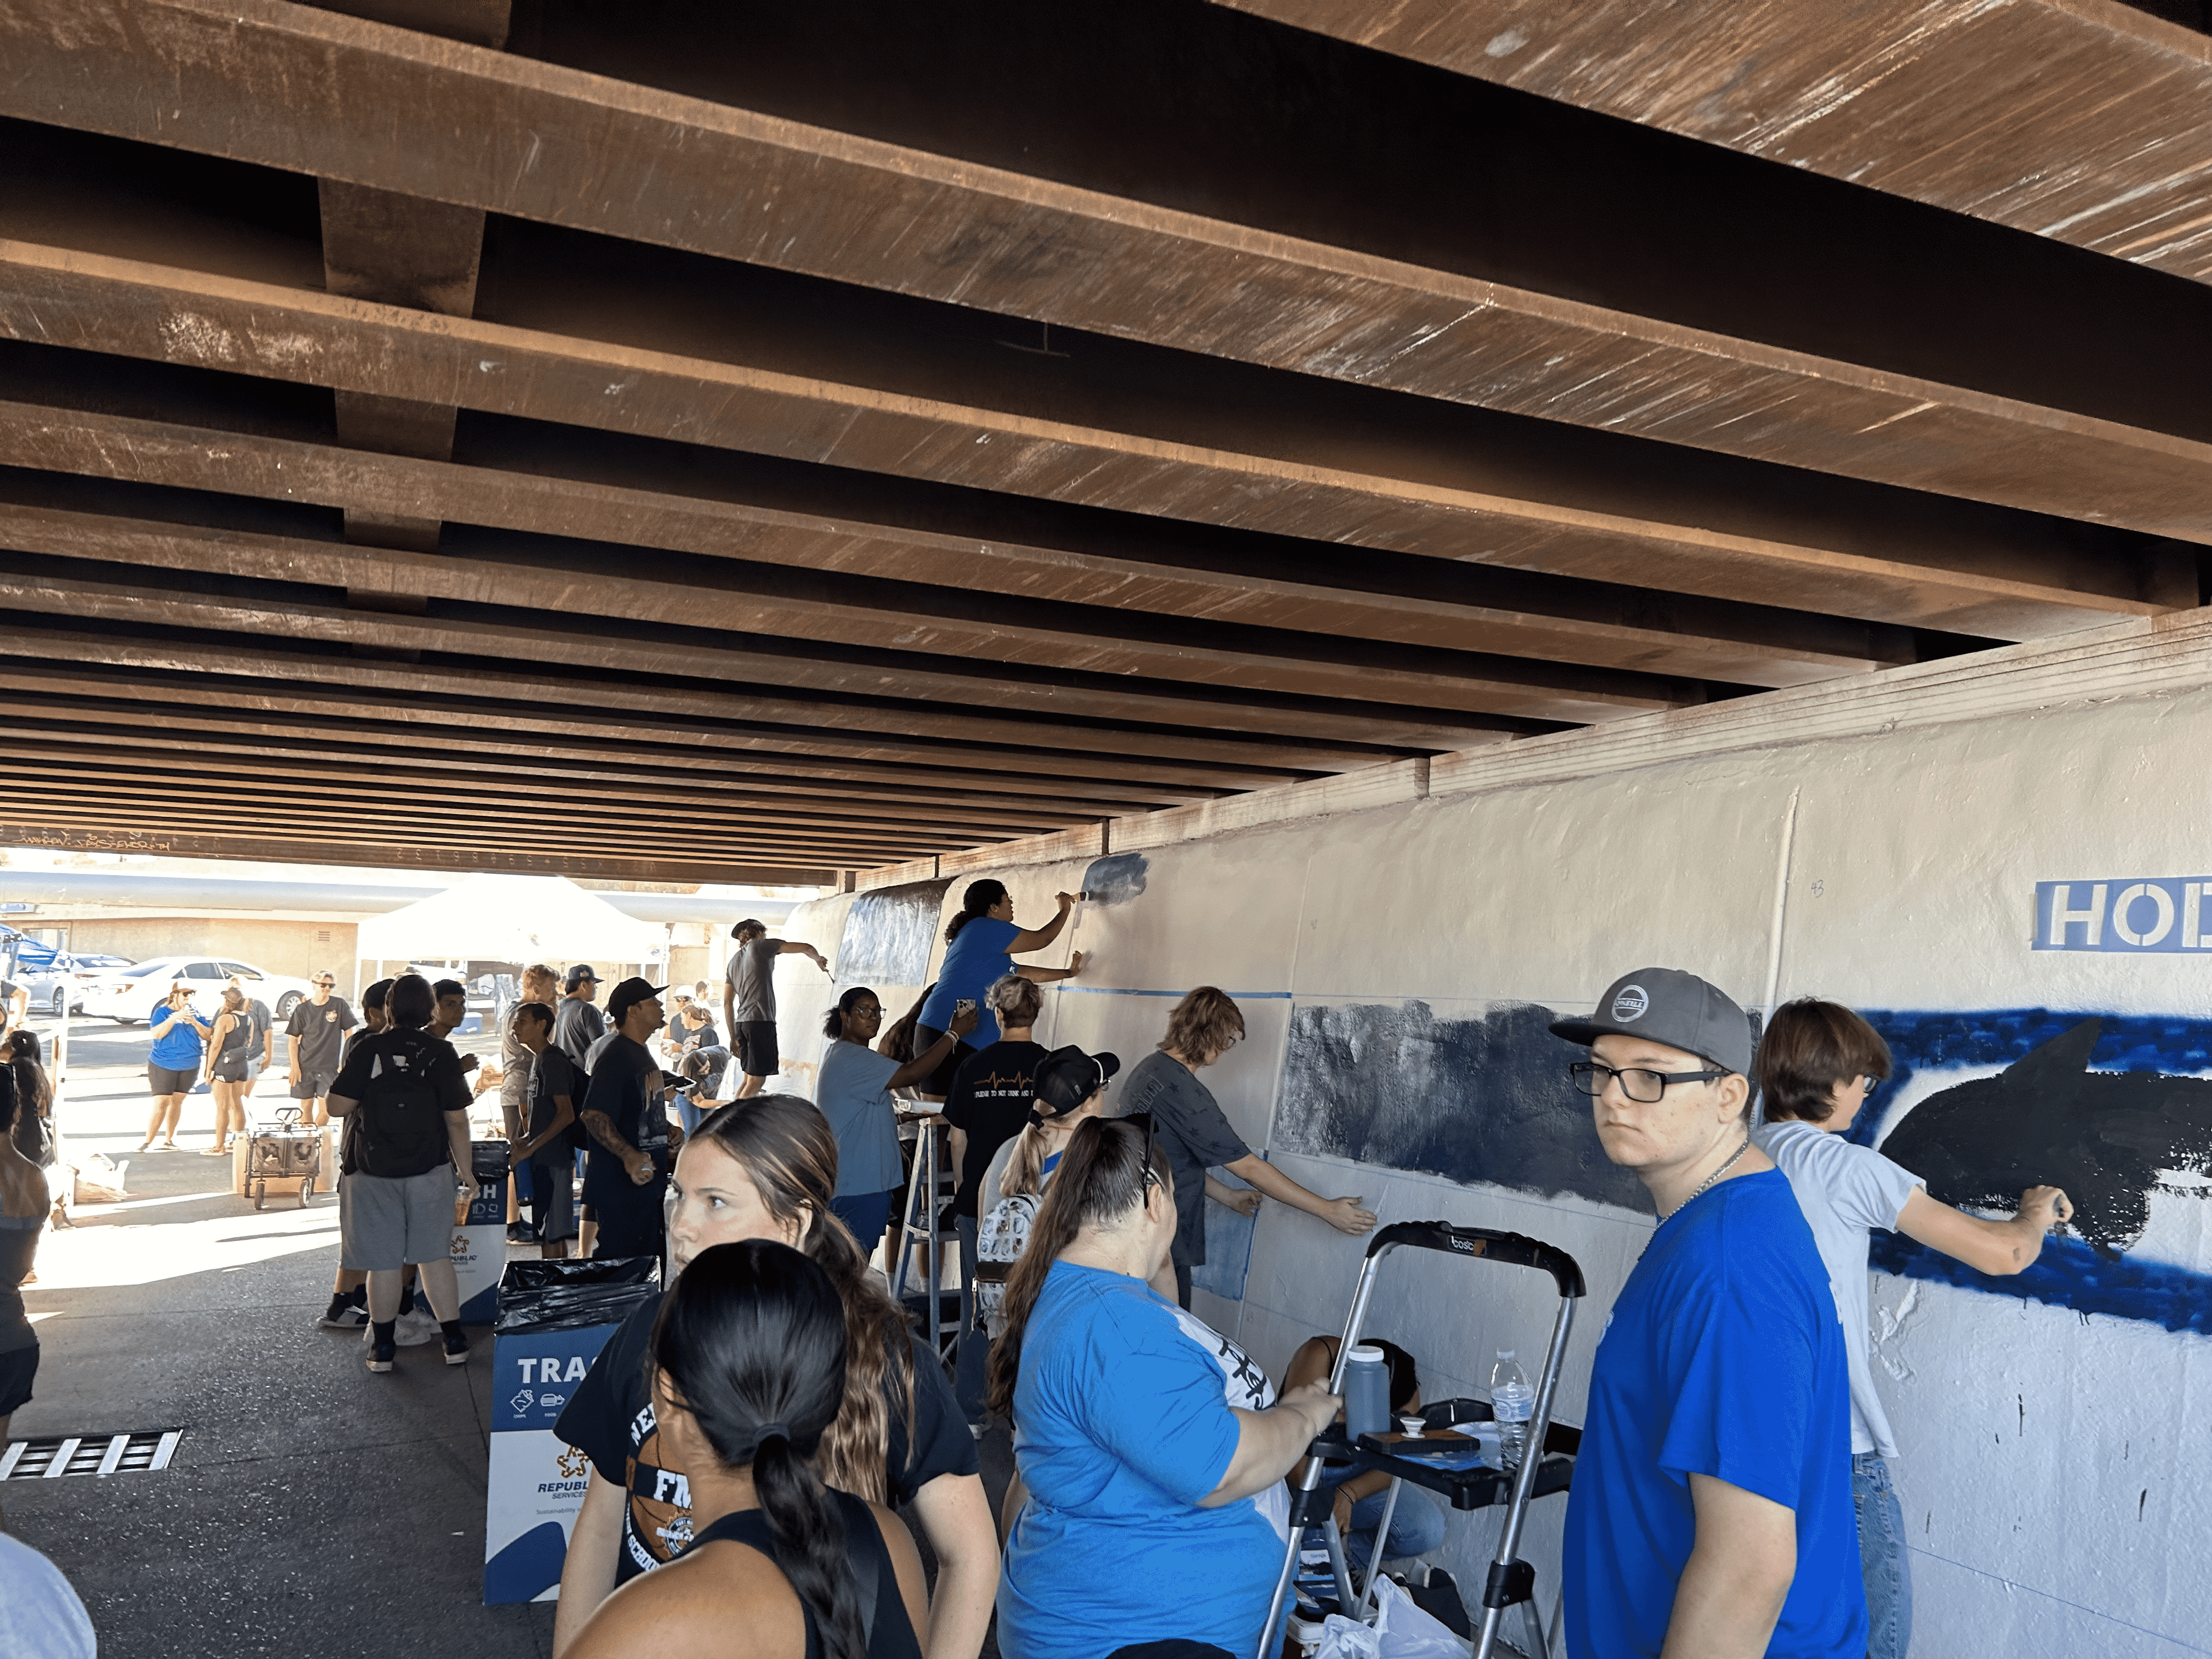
{"x": 577, "y": 1024}
{"x": 1195, "y": 1134}
{"x": 1844, "y": 1191}
{"x": 752, "y": 979}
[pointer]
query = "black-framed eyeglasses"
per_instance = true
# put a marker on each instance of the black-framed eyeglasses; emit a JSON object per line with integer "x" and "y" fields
{"x": 1639, "y": 1082}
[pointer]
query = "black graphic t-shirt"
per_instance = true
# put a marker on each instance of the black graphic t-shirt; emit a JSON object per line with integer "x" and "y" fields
{"x": 321, "y": 1029}
{"x": 992, "y": 1094}
{"x": 610, "y": 1421}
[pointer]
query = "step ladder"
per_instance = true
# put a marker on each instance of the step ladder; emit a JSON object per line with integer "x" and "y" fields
{"x": 928, "y": 1190}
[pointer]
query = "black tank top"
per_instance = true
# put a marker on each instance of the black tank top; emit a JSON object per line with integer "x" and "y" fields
{"x": 891, "y": 1634}
{"x": 19, "y": 1240}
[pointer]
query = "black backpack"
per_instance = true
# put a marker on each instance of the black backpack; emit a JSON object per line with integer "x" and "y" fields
{"x": 399, "y": 1126}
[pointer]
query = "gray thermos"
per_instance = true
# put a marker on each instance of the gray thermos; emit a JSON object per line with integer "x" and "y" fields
{"x": 1366, "y": 1393}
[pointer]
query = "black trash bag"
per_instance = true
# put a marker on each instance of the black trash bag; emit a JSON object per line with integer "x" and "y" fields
{"x": 570, "y": 1295}
{"x": 488, "y": 1162}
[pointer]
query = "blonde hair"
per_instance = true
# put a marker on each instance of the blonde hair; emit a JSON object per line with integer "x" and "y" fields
{"x": 1015, "y": 1000}
{"x": 1025, "y": 1168}
{"x": 1203, "y": 1025}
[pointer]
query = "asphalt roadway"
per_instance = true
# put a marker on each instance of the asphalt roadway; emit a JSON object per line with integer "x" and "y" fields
{"x": 311, "y": 1509}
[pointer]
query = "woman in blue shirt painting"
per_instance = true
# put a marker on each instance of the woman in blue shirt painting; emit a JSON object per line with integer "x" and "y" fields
{"x": 1154, "y": 1451}
{"x": 981, "y": 944}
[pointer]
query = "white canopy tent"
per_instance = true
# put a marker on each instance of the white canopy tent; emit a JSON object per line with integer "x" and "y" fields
{"x": 521, "y": 919}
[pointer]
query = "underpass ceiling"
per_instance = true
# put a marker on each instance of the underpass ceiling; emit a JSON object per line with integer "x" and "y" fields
{"x": 726, "y": 437}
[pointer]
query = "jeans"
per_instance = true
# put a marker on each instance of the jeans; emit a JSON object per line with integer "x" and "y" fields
{"x": 1881, "y": 1558}
{"x": 1417, "y": 1525}
{"x": 865, "y": 1215}
{"x": 970, "y": 1368}
{"x": 689, "y": 1114}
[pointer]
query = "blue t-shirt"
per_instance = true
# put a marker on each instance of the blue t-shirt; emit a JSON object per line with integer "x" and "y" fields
{"x": 1123, "y": 1422}
{"x": 973, "y": 962}
{"x": 1724, "y": 1357}
{"x": 853, "y": 1091}
{"x": 180, "y": 1047}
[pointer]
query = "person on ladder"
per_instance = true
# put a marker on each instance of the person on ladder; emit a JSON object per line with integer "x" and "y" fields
{"x": 1417, "y": 1523}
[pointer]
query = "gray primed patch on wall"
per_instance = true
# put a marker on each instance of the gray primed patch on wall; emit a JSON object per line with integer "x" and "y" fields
{"x": 1473, "y": 1100}
{"x": 889, "y": 933}
{"x": 1117, "y": 879}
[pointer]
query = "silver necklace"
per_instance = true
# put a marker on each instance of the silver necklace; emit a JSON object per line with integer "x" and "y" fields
{"x": 1710, "y": 1179}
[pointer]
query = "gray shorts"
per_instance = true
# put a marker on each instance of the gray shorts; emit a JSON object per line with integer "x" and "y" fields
{"x": 387, "y": 1222}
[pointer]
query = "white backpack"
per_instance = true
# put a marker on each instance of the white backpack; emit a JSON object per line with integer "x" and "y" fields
{"x": 1000, "y": 1238}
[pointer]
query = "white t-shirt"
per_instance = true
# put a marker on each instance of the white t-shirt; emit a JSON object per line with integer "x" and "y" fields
{"x": 1845, "y": 1191}
{"x": 40, "y": 1616}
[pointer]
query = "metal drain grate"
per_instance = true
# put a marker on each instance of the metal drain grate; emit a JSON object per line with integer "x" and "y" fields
{"x": 89, "y": 1454}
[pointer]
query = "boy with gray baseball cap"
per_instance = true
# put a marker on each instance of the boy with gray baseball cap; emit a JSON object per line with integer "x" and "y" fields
{"x": 1711, "y": 1506}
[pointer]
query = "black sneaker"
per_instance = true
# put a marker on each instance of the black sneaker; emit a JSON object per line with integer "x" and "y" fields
{"x": 346, "y": 1313}
{"x": 521, "y": 1232}
{"x": 457, "y": 1348}
{"x": 382, "y": 1354}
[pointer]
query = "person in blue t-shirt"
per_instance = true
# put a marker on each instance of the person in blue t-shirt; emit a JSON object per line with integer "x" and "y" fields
{"x": 1711, "y": 1510}
{"x": 981, "y": 944}
{"x": 1153, "y": 1449}
{"x": 172, "y": 1065}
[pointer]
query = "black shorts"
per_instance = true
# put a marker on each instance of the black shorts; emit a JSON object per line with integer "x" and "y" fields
{"x": 17, "y": 1367}
{"x": 230, "y": 1068}
{"x": 169, "y": 1080}
{"x": 757, "y": 1054}
{"x": 940, "y": 1082}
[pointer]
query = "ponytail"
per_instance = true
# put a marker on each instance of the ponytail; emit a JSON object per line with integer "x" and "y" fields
{"x": 833, "y": 1022}
{"x": 809, "y": 1535}
{"x": 1102, "y": 1178}
{"x": 751, "y": 1342}
{"x": 974, "y": 903}
{"x": 1025, "y": 1168}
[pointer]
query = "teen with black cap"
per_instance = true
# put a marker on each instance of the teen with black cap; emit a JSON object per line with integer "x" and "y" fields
{"x": 1711, "y": 1508}
{"x": 625, "y": 1112}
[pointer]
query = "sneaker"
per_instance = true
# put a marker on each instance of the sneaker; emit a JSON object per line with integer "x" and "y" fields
{"x": 381, "y": 1355}
{"x": 457, "y": 1349}
{"x": 346, "y": 1313}
{"x": 521, "y": 1232}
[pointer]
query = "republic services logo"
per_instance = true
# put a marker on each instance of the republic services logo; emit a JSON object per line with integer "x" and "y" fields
{"x": 1629, "y": 1003}
{"x": 572, "y": 1463}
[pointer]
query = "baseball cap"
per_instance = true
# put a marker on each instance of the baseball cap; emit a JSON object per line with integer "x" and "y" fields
{"x": 1066, "y": 1077}
{"x": 1672, "y": 1007}
{"x": 582, "y": 973}
{"x": 627, "y": 995}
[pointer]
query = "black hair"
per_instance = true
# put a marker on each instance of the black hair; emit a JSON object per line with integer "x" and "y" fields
{"x": 410, "y": 1002}
{"x": 536, "y": 1012}
{"x": 1405, "y": 1376}
{"x": 751, "y": 1338}
{"x": 34, "y": 1090}
{"x": 833, "y": 1022}
{"x": 449, "y": 987}
{"x": 748, "y": 928}
{"x": 975, "y": 901}
{"x": 374, "y": 995}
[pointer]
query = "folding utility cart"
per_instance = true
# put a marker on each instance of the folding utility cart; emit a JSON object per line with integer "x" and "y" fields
{"x": 1430, "y": 1462}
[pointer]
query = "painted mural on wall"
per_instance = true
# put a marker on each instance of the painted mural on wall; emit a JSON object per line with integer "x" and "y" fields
{"x": 888, "y": 934}
{"x": 1483, "y": 1098}
{"x": 2104, "y": 1106}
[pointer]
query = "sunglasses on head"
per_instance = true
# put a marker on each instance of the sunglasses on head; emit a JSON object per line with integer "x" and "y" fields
{"x": 1143, "y": 1121}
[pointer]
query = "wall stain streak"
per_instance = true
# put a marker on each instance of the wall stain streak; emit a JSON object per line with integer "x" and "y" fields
{"x": 1481, "y": 1100}
{"x": 889, "y": 934}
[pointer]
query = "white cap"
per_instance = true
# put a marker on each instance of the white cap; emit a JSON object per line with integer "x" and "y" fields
{"x": 1367, "y": 1354}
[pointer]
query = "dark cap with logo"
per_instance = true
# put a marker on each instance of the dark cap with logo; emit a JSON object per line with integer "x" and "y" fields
{"x": 1066, "y": 1077}
{"x": 627, "y": 995}
{"x": 582, "y": 974}
{"x": 1668, "y": 1006}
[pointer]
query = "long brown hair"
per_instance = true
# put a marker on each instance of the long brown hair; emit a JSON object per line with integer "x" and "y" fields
{"x": 790, "y": 1152}
{"x": 1204, "y": 1025}
{"x": 1102, "y": 1177}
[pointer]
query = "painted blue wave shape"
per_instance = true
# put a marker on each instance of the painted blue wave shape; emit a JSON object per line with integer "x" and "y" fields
{"x": 2071, "y": 1272}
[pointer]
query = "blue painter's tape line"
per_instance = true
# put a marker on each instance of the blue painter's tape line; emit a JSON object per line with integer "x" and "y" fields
{"x": 1130, "y": 991}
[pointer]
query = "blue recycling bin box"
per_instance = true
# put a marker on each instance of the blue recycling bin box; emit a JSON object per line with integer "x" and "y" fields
{"x": 554, "y": 1318}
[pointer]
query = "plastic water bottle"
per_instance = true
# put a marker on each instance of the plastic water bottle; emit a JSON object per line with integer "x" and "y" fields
{"x": 1366, "y": 1393}
{"x": 1512, "y": 1401}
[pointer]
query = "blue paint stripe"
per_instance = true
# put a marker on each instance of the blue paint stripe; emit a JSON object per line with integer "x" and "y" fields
{"x": 1129, "y": 991}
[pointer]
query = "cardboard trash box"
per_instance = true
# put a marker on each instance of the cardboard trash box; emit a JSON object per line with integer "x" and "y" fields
{"x": 554, "y": 1318}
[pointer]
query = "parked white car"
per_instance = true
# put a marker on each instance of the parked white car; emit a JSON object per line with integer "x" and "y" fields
{"x": 64, "y": 978}
{"x": 127, "y": 997}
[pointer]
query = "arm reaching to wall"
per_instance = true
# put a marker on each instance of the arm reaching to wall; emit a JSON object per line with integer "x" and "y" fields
{"x": 1998, "y": 1248}
{"x": 1345, "y": 1215}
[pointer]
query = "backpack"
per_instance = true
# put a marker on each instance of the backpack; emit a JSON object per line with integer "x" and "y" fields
{"x": 1000, "y": 1238}
{"x": 399, "y": 1126}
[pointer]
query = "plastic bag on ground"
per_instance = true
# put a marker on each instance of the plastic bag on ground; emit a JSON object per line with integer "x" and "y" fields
{"x": 1347, "y": 1638}
{"x": 1407, "y": 1631}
